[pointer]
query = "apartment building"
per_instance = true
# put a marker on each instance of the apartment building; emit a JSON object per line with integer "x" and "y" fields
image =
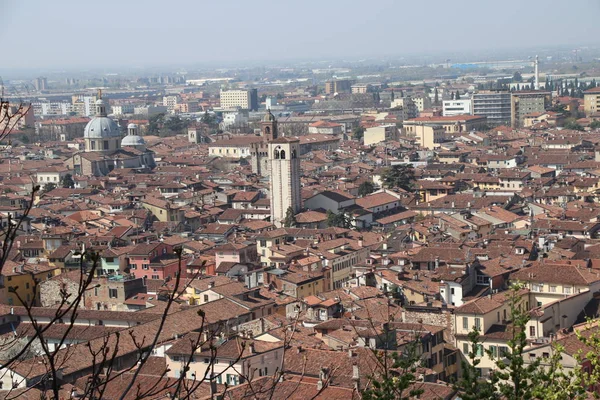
{"x": 244, "y": 99}
{"x": 527, "y": 102}
{"x": 494, "y": 105}
{"x": 591, "y": 101}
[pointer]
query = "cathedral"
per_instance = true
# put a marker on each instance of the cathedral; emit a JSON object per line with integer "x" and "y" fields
{"x": 106, "y": 149}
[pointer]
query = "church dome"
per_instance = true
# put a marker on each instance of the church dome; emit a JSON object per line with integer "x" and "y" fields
{"x": 269, "y": 117}
{"x": 133, "y": 140}
{"x": 101, "y": 128}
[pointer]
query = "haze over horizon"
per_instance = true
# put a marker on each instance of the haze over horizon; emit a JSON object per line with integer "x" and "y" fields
{"x": 74, "y": 34}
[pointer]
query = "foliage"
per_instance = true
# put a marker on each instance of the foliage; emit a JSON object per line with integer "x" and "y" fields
{"x": 398, "y": 378}
{"x": 49, "y": 187}
{"x": 175, "y": 124}
{"x": 67, "y": 181}
{"x": 595, "y": 124}
{"x": 290, "y": 218}
{"x": 517, "y": 77}
{"x": 155, "y": 123}
{"x": 209, "y": 119}
{"x": 571, "y": 123}
{"x": 366, "y": 188}
{"x": 471, "y": 386}
{"x": 340, "y": 220}
{"x": 399, "y": 176}
{"x": 358, "y": 133}
{"x": 514, "y": 374}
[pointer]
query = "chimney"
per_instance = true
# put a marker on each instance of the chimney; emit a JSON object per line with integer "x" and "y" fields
{"x": 211, "y": 284}
{"x": 299, "y": 349}
{"x": 251, "y": 348}
{"x": 319, "y": 385}
{"x": 355, "y": 371}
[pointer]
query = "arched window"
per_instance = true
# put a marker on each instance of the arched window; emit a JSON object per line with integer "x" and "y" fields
{"x": 294, "y": 153}
{"x": 267, "y": 130}
{"x": 283, "y": 154}
{"x": 276, "y": 154}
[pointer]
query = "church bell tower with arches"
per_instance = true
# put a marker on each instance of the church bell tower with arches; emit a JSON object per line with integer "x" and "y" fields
{"x": 284, "y": 158}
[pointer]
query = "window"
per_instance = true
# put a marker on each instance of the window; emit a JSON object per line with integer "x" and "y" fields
{"x": 206, "y": 298}
{"x": 155, "y": 277}
{"x": 546, "y": 355}
{"x": 494, "y": 351}
{"x": 145, "y": 266}
{"x": 232, "y": 379}
{"x": 567, "y": 290}
{"x": 478, "y": 324}
{"x": 479, "y": 350}
{"x": 112, "y": 293}
{"x": 465, "y": 348}
{"x": 96, "y": 291}
{"x": 532, "y": 331}
{"x": 502, "y": 351}
{"x": 466, "y": 323}
{"x": 106, "y": 145}
{"x": 552, "y": 289}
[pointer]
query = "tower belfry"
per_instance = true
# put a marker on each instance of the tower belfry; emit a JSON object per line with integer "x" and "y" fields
{"x": 285, "y": 178}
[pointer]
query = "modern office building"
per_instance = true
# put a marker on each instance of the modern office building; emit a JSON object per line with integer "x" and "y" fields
{"x": 244, "y": 99}
{"x": 495, "y": 105}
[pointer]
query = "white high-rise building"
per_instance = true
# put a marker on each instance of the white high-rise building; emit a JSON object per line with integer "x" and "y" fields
{"x": 284, "y": 177}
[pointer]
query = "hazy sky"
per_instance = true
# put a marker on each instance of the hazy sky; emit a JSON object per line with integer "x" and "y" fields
{"x": 84, "y": 33}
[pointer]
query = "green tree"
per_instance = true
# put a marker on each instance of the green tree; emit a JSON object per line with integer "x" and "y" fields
{"x": 397, "y": 377}
{"x": 436, "y": 98}
{"x": 155, "y": 123}
{"x": 208, "y": 119}
{"x": 175, "y": 124}
{"x": 595, "y": 124}
{"x": 571, "y": 123}
{"x": 471, "y": 386}
{"x": 457, "y": 95}
{"x": 340, "y": 220}
{"x": 67, "y": 181}
{"x": 358, "y": 133}
{"x": 517, "y": 77}
{"x": 49, "y": 187}
{"x": 365, "y": 188}
{"x": 515, "y": 377}
{"x": 399, "y": 176}
{"x": 290, "y": 218}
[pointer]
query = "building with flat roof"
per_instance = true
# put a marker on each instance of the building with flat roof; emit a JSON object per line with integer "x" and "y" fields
{"x": 338, "y": 86}
{"x": 244, "y": 99}
{"x": 495, "y": 105}
{"x": 452, "y": 125}
{"x": 527, "y": 102}
{"x": 457, "y": 107}
{"x": 591, "y": 102}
